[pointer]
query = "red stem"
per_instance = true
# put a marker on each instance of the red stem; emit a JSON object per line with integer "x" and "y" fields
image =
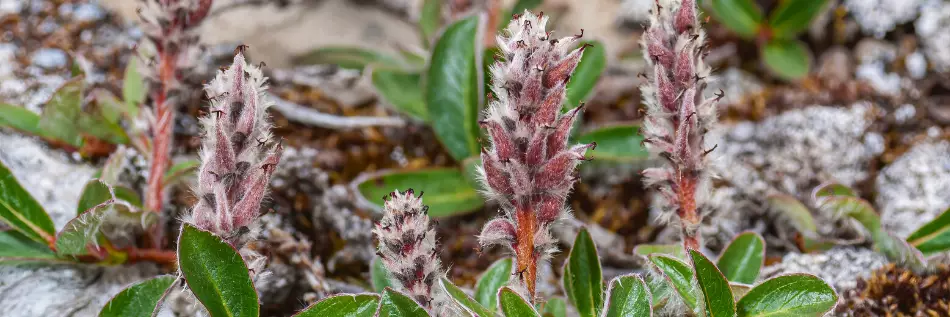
{"x": 161, "y": 142}
{"x": 686, "y": 194}
{"x": 163, "y": 257}
{"x": 527, "y": 262}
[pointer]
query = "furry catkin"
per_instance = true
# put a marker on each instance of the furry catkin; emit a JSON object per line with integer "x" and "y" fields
{"x": 677, "y": 116}
{"x": 529, "y": 168}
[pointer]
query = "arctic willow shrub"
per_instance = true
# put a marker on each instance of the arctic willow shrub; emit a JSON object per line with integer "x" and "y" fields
{"x": 237, "y": 158}
{"x": 930, "y": 239}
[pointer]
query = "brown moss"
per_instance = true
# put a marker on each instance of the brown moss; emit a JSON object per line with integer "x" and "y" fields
{"x": 896, "y": 291}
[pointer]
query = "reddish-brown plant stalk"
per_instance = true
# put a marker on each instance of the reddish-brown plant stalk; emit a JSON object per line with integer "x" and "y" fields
{"x": 677, "y": 115}
{"x": 529, "y": 168}
{"x": 170, "y": 26}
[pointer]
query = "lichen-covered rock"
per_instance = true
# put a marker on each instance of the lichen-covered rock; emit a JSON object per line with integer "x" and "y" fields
{"x": 877, "y": 17}
{"x": 933, "y": 30}
{"x": 791, "y": 153}
{"x": 914, "y": 189}
{"x": 840, "y": 267}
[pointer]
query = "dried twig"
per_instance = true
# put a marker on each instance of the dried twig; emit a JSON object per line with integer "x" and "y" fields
{"x": 301, "y": 114}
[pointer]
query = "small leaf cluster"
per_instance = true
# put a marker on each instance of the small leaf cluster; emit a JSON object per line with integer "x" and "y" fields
{"x": 776, "y": 35}
{"x": 444, "y": 84}
{"x": 79, "y": 119}
{"x": 836, "y": 199}
{"x": 728, "y": 287}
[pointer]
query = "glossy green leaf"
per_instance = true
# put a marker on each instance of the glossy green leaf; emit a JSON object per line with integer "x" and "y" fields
{"x": 453, "y": 89}
{"x": 430, "y": 18}
{"x": 140, "y": 299}
{"x": 97, "y": 191}
{"x": 934, "y": 236}
{"x": 343, "y": 305}
{"x": 446, "y": 190}
{"x": 616, "y": 144}
{"x": 679, "y": 276}
{"x": 741, "y": 16}
{"x": 717, "y": 295}
{"x": 19, "y": 210}
{"x": 660, "y": 290}
{"x": 133, "y": 85}
{"x": 62, "y": 111}
{"x": 585, "y": 76}
{"x": 555, "y": 307}
{"x": 379, "y": 275}
{"x": 403, "y": 91}
{"x": 179, "y": 172}
{"x": 20, "y": 119}
{"x": 583, "y": 279}
{"x": 675, "y": 250}
{"x": 743, "y": 258}
{"x": 466, "y": 302}
{"x": 628, "y": 296}
{"x": 397, "y": 304}
{"x": 16, "y": 248}
{"x": 84, "y": 229}
{"x": 833, "y": 189}
{"x": 496, "y": 276}
{"x": 350, "y": 58}
{"x": 795, "y": 295}
{"x": 216, "y": 274}
{"x": 793, "y": 17}
{"x": 511, "y": 304}
{"x": 788, "y": 59}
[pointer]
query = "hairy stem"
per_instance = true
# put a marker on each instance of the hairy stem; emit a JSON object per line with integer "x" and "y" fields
{"x": 527, "y": 262}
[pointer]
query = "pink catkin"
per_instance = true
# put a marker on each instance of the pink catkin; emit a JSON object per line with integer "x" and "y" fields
{"x": 677, "y": 116}
{"x": 529, "y": 169}
{"x": 238, "y": 153}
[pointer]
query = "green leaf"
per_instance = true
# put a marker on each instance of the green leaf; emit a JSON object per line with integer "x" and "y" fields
{"x": 743, "y": 258}
{"x": 446, "y": 190}
{"x": 555, "y": 307}
{"x": 496, "y": 276}
{"x": 112, "y": 108}
{"x": 466, "y": 302}
{"x": 895, "y": 249}
{"x": 397, "y": 304}
{"x": 453, "y": 88}
{"x": 833, "y": 189}
{"x": 660, "y": 290}
{"x": 796, "y": 212}
{"x": 403, "y": 91}
{"x": 717, "y": 295}
{"x": 675, "y": 250}
{"x": 94, "y": 193}
{"x": 133, "y": 85}
{"x": 343, "y": 305}
{"x": 585, "y": 76}
{"x": 739, "y": 289}
{"x": 430, "y": 18}
{"x": 628, "y": 296}
{"x": 512, "y": 304}
{"x": 934, "y": 236}
{"x": 795, "y": 295}
{"x": 216, "y": 274}
{"x": 350, "y": 58}
{"x": 793, "y": 17}
{"x": 19, "y": 210}
{"x": 679, "y": 275}
{"x": 741, "y": 16}
{"x": 616, "y": 144}
{"x": 84, "y": 229}
{"x": 20, "y": 119}
{"x": 788, "y": 59}
{"x": 379, "y": 275}
{"x": 15, "y": 248}
{"x": 470, "y": 171}
{"x": 61, "y": 113}
{"x": 139, "y": 300}
{"x": 94, "y": 121}
{"x": 583, "y": 280}
{"x": 179, "y": 172}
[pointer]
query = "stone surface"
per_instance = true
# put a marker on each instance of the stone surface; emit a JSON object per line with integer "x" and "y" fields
{"x": 933, "y": 30}
{"x": 913, "y": 189}
{"x": 877, "y": 17}
{"x": 840, "y": 267}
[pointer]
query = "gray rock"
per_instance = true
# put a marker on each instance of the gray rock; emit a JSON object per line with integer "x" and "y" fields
{"x": 877, "y": 17}
{"x": 932, "y": 30}
{"x": 913, "y": 189}
{"x": 840, "y": 267}
{"x": 49, "y": 58}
